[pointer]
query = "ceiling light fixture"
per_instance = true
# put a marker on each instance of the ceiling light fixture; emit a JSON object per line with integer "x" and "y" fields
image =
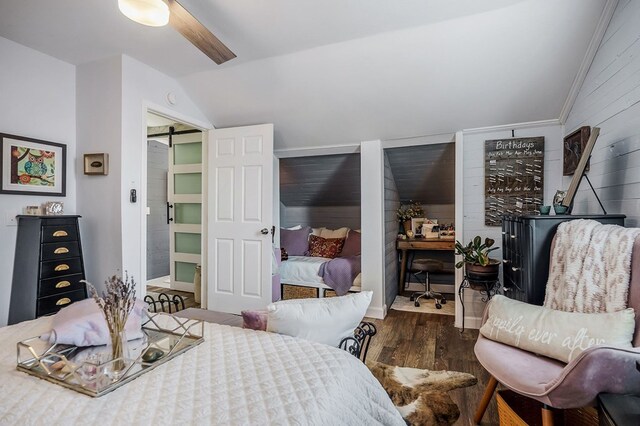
{"x": 154, "y": 13}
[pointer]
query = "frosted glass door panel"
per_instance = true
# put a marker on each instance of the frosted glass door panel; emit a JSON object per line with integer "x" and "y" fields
{"x": 188, "y": 213}
{"x": 185, "y": 271}
{"x": 188, "y": 243}
{"x": 188, "y": 183}
{"x": 187, "y": 153}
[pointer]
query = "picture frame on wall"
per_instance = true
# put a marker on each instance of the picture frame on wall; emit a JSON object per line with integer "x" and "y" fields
{"x": 573, "y": 147}
{"x": 31, "y": 166}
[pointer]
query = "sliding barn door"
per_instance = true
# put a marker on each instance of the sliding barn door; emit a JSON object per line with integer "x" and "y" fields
{"x": 240, "y": 218}
{"x": 184, "y": 209}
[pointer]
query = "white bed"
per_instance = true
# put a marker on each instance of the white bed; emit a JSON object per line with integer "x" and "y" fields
{"x": 303, "y": 271}
{"x": 235, "y": 377}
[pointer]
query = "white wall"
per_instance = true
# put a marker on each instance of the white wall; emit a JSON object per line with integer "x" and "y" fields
{"x": 37, "y": 100}
{"x": 372, "y": 158}
{"x": 610, "y": 99}
{"x": 99, "y": 99}
{"x": 473, "y": 190}
{"x": 113, "y": 97}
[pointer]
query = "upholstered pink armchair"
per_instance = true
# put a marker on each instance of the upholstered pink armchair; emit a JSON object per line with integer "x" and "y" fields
{"x": 558, "y": 385}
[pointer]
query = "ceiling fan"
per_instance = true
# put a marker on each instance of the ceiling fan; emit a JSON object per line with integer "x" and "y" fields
{"x": 157, "y": 13}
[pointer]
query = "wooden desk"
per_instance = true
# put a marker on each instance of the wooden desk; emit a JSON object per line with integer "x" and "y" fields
{"x": 422, "y": 244}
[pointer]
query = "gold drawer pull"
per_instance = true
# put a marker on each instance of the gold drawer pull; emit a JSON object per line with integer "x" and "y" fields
{"x": 60, "y": 234}
{"x": 63, "y": 301}
{"x": 61, "y": 250}
{"x": 61, "y": 267}
{"x": 63, "y": 284}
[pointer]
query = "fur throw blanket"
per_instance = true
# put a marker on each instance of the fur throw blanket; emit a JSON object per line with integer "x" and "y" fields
{"x": 590, "y": 267}
{"x": 421, "y": 395}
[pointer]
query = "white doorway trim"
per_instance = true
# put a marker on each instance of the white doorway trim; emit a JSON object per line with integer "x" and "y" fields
{"x": 459, "y": 216}
{"x": 142, "y": 193}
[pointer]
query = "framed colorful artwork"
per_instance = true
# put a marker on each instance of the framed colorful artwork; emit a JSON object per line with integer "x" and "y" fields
{"x": 31, "y": 166}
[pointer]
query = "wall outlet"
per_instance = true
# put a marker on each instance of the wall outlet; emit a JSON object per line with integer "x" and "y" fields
{"x": 10, "y": 219}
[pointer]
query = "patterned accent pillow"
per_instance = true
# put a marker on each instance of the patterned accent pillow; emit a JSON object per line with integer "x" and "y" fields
{"x": 325, "y": 247}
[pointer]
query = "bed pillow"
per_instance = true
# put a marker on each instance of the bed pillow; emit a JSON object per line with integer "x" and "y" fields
{"x": 352, "y": 245}
{"x": 325, "y": 247}
{"x": 317, "y": 231}
{"x": 334, "y": 233}
{"x": 254, "y": 320}
{"x": 295, "y": 242}
{"x": 556, "y": 334}
{"x": 294, "y": 228}
{"x": 325, "y": 320}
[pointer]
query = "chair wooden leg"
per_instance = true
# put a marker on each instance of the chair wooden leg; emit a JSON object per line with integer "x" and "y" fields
{"x": 547, "y": 415}
{"x": 486, "y": 399}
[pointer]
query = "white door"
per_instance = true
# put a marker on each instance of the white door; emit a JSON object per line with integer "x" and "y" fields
{"x": 184, "y": 194}
{"x": 240, "y": 218}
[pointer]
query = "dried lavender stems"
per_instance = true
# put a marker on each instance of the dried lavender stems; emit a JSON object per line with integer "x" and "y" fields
{"x": 116, "y": 304}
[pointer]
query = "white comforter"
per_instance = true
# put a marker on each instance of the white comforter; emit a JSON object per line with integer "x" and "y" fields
{"x": 235, "y": 377}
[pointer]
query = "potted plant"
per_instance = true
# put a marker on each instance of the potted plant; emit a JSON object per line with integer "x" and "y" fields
{"x": 476, "y": 261}
{"x": 406, "y": 212}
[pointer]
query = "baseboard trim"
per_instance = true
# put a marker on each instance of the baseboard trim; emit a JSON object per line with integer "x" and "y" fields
{"x": 472, "y": 322}
{"x": 377, "y": 312}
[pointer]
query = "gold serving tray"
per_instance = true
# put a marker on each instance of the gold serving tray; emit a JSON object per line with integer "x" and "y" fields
{"x": 89, "y": 370}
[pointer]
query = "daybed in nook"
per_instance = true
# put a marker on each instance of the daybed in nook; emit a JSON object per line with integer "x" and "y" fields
{"x": 305, "y": 274}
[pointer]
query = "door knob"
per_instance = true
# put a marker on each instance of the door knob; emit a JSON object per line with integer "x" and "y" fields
{"x": 264, "y": 231}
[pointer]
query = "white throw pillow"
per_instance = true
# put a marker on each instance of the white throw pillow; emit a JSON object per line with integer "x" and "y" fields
{"x": 337, "y": 233}
{"x": 317, "y": 231}
{"x": 556, "y": 334}
{"x": 326, "y": 320}
{"x": 294, "y": 228}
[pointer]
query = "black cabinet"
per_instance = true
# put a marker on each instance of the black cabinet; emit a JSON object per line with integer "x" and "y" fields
{"x": 48, "y": 267}
{"x": 526, "y": 246}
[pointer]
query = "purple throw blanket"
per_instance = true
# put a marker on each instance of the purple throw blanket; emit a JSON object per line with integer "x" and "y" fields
{"x": 340, "y": 272}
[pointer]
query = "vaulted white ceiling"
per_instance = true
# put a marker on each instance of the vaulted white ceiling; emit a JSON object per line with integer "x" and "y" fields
{"x": 338, "y": 72}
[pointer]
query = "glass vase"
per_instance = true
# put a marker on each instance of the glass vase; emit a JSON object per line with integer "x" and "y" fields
{"x": 118, "y": 351}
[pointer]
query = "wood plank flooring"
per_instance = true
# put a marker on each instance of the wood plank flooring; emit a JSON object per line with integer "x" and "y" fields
{"x": 430, "y": 341}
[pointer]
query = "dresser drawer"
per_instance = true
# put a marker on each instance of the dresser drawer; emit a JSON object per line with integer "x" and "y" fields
{"x": 58, "y": 268}
{"x": 56, "y": 286}
{"x": 57, "y": 233}
{"x": 52, "y": 304}
{"x": 61, "y": 250}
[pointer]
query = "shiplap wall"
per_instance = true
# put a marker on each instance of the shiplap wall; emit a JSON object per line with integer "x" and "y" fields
{"x": 391, "y": 204}
{"x": 610, "y": 99}
{"x": 473, "y": 205}
{"x": 157, "y": 228}
{"x": 332, "y": 217}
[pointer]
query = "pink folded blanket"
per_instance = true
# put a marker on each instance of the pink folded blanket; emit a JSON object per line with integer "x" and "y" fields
{"x": 83, "y": 324}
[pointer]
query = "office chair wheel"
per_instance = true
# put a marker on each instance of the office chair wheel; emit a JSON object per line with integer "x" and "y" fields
{"x": 438, "y": 306}
{"x": 417, "y": 304}
{"x": 443, "y": 301}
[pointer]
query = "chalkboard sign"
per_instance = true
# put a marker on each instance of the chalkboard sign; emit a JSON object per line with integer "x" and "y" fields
{"x": 513, "y": 177}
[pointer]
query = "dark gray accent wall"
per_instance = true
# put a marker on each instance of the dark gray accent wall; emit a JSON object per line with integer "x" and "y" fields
{"x": 323, "y": 180}
{"x": 391, "y": 204}
{"x": 331, "y": 217}
{"x": 424, "y": 173}
{"x": 157, "y": 228}
{"x": 610, "y": 99}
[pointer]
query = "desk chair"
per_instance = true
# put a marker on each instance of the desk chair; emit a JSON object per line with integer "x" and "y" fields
{"x": 425, "y": 266}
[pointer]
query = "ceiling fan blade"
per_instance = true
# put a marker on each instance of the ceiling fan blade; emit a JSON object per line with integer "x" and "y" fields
{"x": 187, "y": 25}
